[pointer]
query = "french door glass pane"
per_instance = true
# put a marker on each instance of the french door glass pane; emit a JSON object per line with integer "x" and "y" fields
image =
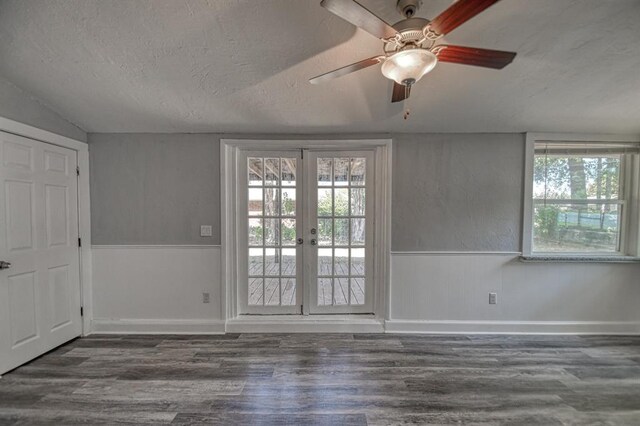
{"x": 272, "y": 231}
{"x": 341, "y": 231}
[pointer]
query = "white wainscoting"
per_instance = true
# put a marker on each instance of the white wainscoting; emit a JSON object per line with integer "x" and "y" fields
{"x": 448, "y": 292}
{"x": 156, "y": 289}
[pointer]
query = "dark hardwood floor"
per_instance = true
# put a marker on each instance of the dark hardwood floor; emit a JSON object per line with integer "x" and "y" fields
{"x": 305, "y": 379}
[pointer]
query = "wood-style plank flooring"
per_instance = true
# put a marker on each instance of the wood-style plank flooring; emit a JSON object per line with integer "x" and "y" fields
{"x": 306, "y": 379}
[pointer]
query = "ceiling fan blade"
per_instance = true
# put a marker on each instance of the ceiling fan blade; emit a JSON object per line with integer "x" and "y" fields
{"x": 400, "y": 92}
{"x": 497, "y": 59}
{"x": 457, "y": 14}
{"x": 347, "y": 69}
{"x": 353, "y": 12}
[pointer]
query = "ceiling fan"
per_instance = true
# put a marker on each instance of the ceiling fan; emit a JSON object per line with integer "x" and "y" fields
{"x": 411, "y": 47}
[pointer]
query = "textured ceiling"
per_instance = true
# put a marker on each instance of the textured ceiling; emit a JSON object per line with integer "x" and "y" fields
{"x": 243, "y": 66}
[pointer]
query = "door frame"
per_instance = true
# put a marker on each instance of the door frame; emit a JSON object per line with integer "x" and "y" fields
{"x": 229, "y": 150}
{"x": 84, "y": 204}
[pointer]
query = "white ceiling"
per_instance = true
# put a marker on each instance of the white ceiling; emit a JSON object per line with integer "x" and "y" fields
{"x": 243, "y": 66}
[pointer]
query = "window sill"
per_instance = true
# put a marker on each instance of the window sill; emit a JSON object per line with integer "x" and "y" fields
{"x": 578, "y": 259}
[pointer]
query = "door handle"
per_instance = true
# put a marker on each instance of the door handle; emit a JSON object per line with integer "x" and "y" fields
{"x": 5, "y": 265}
{"x": 313, "y": 242}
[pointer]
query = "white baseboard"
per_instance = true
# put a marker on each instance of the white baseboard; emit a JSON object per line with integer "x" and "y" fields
{"x": 513, "y": 327}
{"x": 157, "y": 326}
{"x": 305, "y": 324}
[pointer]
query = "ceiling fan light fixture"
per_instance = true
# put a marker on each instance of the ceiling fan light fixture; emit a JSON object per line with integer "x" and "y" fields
{"x": 409, "y": 65}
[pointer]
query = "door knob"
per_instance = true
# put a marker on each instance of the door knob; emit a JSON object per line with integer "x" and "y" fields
{"x": 299, "y": 241}
{"x": 5, "y": 265}
{"x": 314, "y": 242}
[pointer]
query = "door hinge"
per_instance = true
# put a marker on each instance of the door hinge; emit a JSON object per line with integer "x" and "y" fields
{"x": 77, "y": 170}
{"x": 301, "y": 154}
{"x": 79, "y": 242}
{"x": 301, "y": 309}
{"x": 81, "y": 311}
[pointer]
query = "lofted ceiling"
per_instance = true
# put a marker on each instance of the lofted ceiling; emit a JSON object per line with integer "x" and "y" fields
{"x": 244, "y": 65}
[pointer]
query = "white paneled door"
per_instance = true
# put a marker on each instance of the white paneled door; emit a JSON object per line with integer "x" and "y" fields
{"x": 39, "y": 273}
{"x": 305, "y": 232}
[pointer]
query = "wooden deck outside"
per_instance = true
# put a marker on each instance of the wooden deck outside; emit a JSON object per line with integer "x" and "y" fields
{"x": 269, "y": 295}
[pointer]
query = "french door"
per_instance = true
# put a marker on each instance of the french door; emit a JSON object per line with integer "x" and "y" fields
{"x": 305, "y": 232}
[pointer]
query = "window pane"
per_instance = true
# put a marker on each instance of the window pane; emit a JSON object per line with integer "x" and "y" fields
{"x": 324, "y": 171}
{"x": 357, "y": 231}
{"x": 576, "y": 228}
{"x": 272, "y": 291}
{"x": 272, "y": 261}
{"x": 357, "y": 261}
{"x": 255, "y": 232}
{"x": 288, "y": 204}
{"x": 272, "y": 171}
{"x": 271, "y": 232}
{"x": 255, "y": 261}
{"x": 341, "y": 291}
{"x": 325, "y": 206}
{"x": 256, "y": 291}
{"x": 255, "y": 171}
{"x": 341, "y": 229}
{"x": 288, "y": 232}
{"x": 341, "y": 262}
{"x": 324, "y": 291}
{"x": 271, "y": 202}
{"x": 289, "y": 262}
{"x": 341, "y": 171}
{"x": 325, "y": 232}
{"x": 358, "y": 171}
{"x": 357, "y": 201}
{"x": 357, "y": 291}
{"x": 576, "y": 177}
{"x": 255, "y": 202}
{"x": 341, "y": 202}
{"x": 289, "y": 172}
{"x": 288, "y": 289}
{"x": 324, "y": 262}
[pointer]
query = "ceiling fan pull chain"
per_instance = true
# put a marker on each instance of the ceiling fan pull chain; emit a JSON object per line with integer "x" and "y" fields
{"x": 407, "y": 110}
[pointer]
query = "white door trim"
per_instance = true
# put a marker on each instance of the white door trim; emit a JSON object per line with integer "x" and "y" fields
{"x": 228, "y": 167}
{"x": 84, "y": 203}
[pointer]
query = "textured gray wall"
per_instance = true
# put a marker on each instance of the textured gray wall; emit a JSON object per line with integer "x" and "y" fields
{"x": 457, "y": 192}
{"x": 18, "y": 105}
{"x": 154, "y": 188}
{"x": 451, "y": 192}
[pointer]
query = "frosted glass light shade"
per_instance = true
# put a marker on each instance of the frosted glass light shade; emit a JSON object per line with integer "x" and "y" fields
{"x": 409, "y": 65}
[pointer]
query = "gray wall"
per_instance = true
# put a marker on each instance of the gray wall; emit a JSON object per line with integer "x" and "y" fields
{"x": 18, "y": 105}
{"x": 451, "y": 192}
{"x": 154, "y": 188}
{"x": 457, "y": 192}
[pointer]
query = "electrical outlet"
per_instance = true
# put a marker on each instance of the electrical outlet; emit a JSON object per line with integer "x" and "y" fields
{"x": 206, "y": 230}
{"x": 205, "y": 297}
{"x": 493, "y": 298}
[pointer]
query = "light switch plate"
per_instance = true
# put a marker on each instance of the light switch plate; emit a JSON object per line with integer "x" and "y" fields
{"x": 206, "y": 230}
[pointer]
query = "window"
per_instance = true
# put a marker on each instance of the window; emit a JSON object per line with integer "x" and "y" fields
{"x": 583, "y": 198}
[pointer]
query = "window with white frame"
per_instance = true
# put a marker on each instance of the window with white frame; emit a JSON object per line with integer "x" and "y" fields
{"x": 584, "y": 198}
